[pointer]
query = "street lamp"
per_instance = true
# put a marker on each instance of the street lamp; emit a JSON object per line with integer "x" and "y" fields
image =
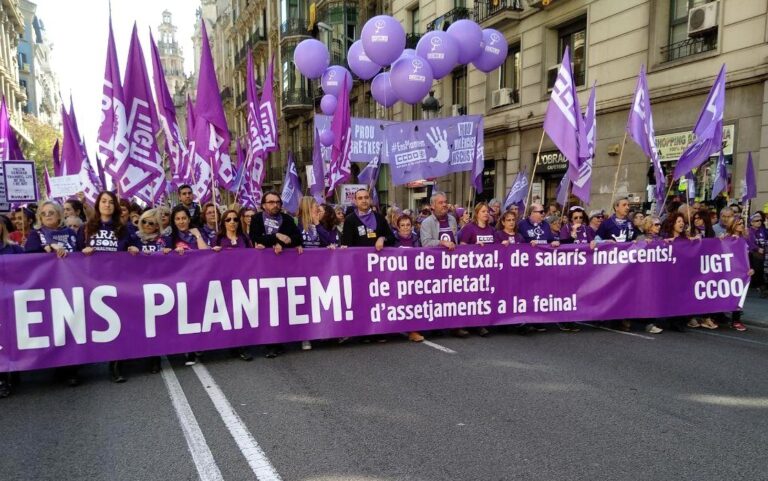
{"x": 431, "y": 106}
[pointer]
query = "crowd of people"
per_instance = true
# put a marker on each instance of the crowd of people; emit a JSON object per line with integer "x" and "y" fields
{"x": 114, "y": 225}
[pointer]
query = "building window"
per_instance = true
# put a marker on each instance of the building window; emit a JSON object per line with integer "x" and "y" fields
{"x": 417, "y": 112}
{"x": 459, "y": 89}
{"x": 574, "y": 36}
{"x": 680, "y": 44}
{"x": 415, "y": 20}
{"x": 509, "y": 72}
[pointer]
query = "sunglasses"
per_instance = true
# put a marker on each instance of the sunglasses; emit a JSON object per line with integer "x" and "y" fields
{"x": 537, "y": 211}
{"x": 599, "y": 217}
{"x": 148, "y": 222}
{"x": 230, "y": 219}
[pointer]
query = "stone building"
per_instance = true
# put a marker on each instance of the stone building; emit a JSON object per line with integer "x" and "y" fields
{"x": 172, "y": 58}
{"x": 11, "y": 29}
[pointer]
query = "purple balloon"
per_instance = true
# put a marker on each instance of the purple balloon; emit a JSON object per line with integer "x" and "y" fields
{"x": 383, "y": 39}
{"x": 311, "y": 58}
{"x": 327, "y": 137}
{"x": 469, "y": 39}
{"x": 359, "y": 63}
{"x": 328, "y": 104}
{"x": 408, "y": 52}
{"x": 381, "y": 90}
{"x": 494, "y": 51}
{"x": 411, "y": 79}
{"x": 440, "y": 51}
{"x": 333, "y": 78}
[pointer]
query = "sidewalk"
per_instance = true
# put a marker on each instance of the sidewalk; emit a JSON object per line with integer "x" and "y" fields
{"x": 755, "y": 310}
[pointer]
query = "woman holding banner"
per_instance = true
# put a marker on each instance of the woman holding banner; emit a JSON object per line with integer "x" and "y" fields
{"x": 7, "y": 247}
{"x": 231, "y": 235}
{"x": 327, "y": 228}
{"x": 51, "y": 236}
{"x": 575, "y": 230}
{"x": 736, "y": 230}
{"x": 23, "y": 219}
{"x": 404, "y": 235}
{"x": 210, "y": 229}
{"x": 309, "y": 218}
{"x": 183, "y": 237}
{"x": 506, "y": 229}
{"x": 673, "y": 228}
{"x": 149, "y": 239}
{"x": 479, "y": 232}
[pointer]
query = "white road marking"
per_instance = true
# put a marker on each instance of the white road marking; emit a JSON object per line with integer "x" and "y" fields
{"x": 438, "y": 347}
{"x": 251, "y": 450}
{"x": 633, "y": 334}
{"x": 198, "y": 447}
{"x": 751, "y": 341}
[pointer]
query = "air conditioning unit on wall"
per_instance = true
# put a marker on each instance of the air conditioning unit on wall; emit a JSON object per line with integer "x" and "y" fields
{"x": 552, "y": 76}
{"x": 702, "y": 19}
{"x": 501, "y": 97}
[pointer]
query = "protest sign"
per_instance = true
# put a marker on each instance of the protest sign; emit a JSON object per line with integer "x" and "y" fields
{"x": 65, "y": 186}
{"x": 348, "y": 193}
{"x": 56, "y": 312}
{"x": 20, "y": 181}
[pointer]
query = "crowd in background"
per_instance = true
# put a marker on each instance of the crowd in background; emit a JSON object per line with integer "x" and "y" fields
{"x": 113, "y": 225}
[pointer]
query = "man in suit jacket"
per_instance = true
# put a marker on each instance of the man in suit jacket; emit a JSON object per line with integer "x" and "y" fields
{"x": 273, "y": 228}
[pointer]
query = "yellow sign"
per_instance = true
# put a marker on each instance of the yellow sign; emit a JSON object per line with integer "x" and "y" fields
{"x": 672, "y": 146}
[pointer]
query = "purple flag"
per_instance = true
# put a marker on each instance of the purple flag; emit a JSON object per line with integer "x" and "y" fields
{"x": 200, "y": 168}
{"x": 146, "y": 177}
{"x": 47, "y": 179}
{"x": 245, "y": 185}
{"x": 240, "y": 169}
{"x": 582, "y": 185}
{"x": 561, "y": 194}
{"x": 517, "y": 192}
{"x": 256, "y": 153}
{"x": 316, "y": 181}
{"x": 428, "y": 149}
{"x": 641, "y": 130}
{"x": 211, "y": 133}
{"x": 174, "y": 144}
{"x": 479, "y": 160}
{"x": 56, "y": 160}
{"x": 749, "y": 188}
{"x": 721, "y": 177}
{"x": 113, "y": 145}
{"x": 268, "y": 111}
{"x": 370, "y": 173}
{"x": 340, "y": 168}
{"x": 374, "y": 196}
{"x": 190, "y": 119}
{"x": 291, "y": 195}
{"x": 563, "y": 116}
{"x": 708, "y": 129}
{"x": 100, "y": 171}
{"x": 71, "y": 156}
{"x": 9, "y": 146}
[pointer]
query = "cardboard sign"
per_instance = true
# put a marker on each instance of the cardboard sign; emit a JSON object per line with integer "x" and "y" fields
{"x": 348, "y": 193}
{"x": 65, "y": 186}
{"x": 20, "y": 181}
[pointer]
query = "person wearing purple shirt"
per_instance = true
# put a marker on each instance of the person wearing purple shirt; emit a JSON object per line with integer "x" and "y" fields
{"x": 618, "y": 227}
{"x": 479, "y": 231}
{"x": 210, "y": 227}
{"x": 405, "y": 236}
{"x": 231, "y": 235}
{"x": 595, "y": 219}
{"x": 309, "y": 220}
{"x": 506, "y": 229}
{"x": 575, "y": 230}
{"x": 183, "y": 236}
{"x": 326, "y": 229}
{"x": 50, "y": 236}
{"x": 534, "y": 229}
{"x": 757, "y": 240}
{"x": 148, "y": 239}
{"x": 439, "y": 229}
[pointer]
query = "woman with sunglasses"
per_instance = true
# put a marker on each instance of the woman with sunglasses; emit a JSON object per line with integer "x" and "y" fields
{"x": 575, "y": 230}
{"x": 651, "y": 229}
{"x": 702, "y": 225}
{"x": 51, "y": 236}
{"x": 149, "y": 239}
{"x": 231, "y": 235}
{"x": 183, "y": 236}
{"x": 506, "y": 229}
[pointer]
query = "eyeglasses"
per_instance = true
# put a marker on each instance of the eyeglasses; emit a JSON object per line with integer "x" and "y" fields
{"x": 47, "y": 213}
{"x": 230, "y": 219}
{"x": 274, "y": 202}
{"x": 537, "y": 211}
{"x": 148, "y": 222}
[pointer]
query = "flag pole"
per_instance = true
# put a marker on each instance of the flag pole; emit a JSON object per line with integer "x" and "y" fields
{"x": 533, "y": 172}
{"x": 618, "y": 167}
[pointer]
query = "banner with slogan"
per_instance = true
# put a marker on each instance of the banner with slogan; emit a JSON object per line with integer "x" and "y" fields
{"x": 367, "y": 137}
{"x": 427, "y": 149}
{"x": 79, "y": 309}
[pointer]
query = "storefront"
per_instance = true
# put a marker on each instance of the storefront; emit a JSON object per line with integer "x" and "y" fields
{"x": 550, "y": 170}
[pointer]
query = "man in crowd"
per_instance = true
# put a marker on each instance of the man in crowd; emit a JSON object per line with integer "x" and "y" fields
{"x": 726, "y": 216}
{"x": 365, "y": 228}
{"x": 273, "y": 228}
{"x": 534, "y": 229}
{"x": 439, "y": 229}
{"x": 185, "y": 197}
{"x": 618, "y": 227}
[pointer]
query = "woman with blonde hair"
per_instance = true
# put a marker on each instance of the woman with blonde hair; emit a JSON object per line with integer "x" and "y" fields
{"x": 149, "y": 239}
{"x": 50, "y": 234}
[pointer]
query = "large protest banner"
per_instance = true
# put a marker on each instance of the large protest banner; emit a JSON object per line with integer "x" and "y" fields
{"x": 367, "y": 137}
{"x": 81, "y": 309}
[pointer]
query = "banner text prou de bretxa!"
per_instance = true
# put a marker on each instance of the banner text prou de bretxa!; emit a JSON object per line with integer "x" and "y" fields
{"x": 77, "y": 310}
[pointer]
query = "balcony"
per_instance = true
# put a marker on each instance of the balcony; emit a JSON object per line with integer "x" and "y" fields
{"x": 688, "y": 47}
{"x": 412, "y": 39}
{"x": 498, "y": 13}
{"x": 445, "y": 21}
{"x": 297, "y": 100}
{"x": 294, "y": 27}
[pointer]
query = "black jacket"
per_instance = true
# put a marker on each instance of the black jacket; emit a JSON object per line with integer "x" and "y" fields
{"x": 355, "y": 235}
{"x": 258, "y": 233}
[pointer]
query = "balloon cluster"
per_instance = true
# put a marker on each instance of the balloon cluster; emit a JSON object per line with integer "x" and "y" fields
{"x": 411, "y": 72}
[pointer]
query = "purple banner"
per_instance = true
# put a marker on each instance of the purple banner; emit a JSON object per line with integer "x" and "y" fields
{"x": 367, "y": 137}
{"x": 76, "y": 310}
{"x": 431, "y": 148}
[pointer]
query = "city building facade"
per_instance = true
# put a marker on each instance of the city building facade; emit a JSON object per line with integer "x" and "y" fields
{"x": 172, "y": 58}
{"x": 11, "y": 29}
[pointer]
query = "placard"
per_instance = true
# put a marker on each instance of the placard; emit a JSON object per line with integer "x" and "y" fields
{"x": 65, "y": 186}
{"x": 20, "y": 181}
{"x": 4, "y": 205}
{"x": 348, "y": 193}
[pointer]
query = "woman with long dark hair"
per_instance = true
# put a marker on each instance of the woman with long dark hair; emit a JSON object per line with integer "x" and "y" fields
{"x": 575, "y": 230}
{"x": 23, "y": 221}
{"x": 73, "y": 207}
{"x": 231, "y": 235}
{"x": 328, "y": 227}
{"x": 183, "y": 236}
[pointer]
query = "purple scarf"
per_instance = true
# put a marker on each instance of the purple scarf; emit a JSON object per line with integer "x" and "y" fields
{"x": 368, "y": 220}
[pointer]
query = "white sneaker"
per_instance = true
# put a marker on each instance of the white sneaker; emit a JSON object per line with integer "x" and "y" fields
{"x": 652, "y": 329}
{"x": 306, "y": 346}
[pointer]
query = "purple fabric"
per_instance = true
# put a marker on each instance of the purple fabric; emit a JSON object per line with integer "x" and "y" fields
{"x": 563, "y": 117}
{"x": 561, "y": 193}
{"x": 272, "y": 223}
{"x": 317, "y": 179}
{"x": 105, "y": 239}
{"x": 242, "y": 242}
{"x": 515, "y": 238}
{"x": 366, "y": 142}
{"x": 340, "y": 167}
{"x": 411, "y": 241}
{"x": 370, "y": 173}
{"x": 8, "y": 249}
{"x": 540, "y": 233}
{"x": 444, "y": 229}
{"x": 328, "y": 238}
{"x": 368, "y": 219}
{"x": 56, "y": 159}
{"x": 310, "y": 236}
{"x": 721, "y": 177}
{"x": 268, "y": 111}
{"x": 427, "y": 149}
{"x": 757, "y": 238}
{"x": 9, "y": 147}
{"x": 255, "y": 158}
{"x": 145, "y": 176}
{"x": 291, "y": 195}
{"x": 708, "y": 129}
{"x": 152, "y": 247}
{"x": 581, "y": 186}
{"x": 157, "y": 305}
{"x": 185, "y": 240}
{"x": 750, "y": 184}
{"x": 619, "y": 230}
{"x": 474, "y": 234}
{"x": 641, "y": 130}
{"x": 175, "y": 146}
{"x": 479, "y": 160}
{"x": 39, "y": 238}
{"x": 690, "y": 186}
{"x": 517, "y": 192}
{"x": 209, "y": 235}
{"x": 71, "y": 159}
{"x": 582, "y": 235}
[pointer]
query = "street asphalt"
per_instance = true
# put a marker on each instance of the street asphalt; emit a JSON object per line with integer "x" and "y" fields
{"x": 593, "y": 405}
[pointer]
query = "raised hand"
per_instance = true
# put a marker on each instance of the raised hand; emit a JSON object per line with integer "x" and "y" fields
{"x": 439, "y": 139}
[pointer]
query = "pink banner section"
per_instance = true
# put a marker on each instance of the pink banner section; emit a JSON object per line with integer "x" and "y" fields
{"x": 76, "y": 310}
